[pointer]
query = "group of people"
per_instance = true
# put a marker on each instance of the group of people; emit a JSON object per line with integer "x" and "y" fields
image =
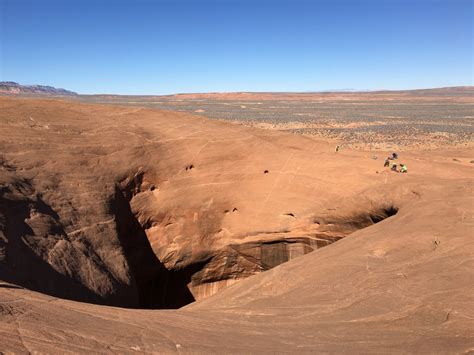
{"x": 394, "y": 167}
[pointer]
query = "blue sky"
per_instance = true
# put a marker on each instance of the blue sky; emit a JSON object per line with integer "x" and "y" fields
{"x": 160, "y": 47}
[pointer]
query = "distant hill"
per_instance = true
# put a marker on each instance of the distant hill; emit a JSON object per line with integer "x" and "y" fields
{"x": 10, "y": 87}
{"x": 447, "y": 91}
{"x": 13, "y": 88}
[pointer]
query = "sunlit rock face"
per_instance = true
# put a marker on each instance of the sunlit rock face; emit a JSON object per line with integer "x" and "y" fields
{"x": 144, "y": 208}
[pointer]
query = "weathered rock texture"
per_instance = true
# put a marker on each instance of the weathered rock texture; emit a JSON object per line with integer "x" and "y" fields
{"x": 142, "y": 208}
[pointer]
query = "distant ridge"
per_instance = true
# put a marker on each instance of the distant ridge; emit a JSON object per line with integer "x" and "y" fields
{"x": 10, "y": 87}
{"x": 449, "y": 89}
{"x": 14, "y": 88}
{"x": 457, "y": 91}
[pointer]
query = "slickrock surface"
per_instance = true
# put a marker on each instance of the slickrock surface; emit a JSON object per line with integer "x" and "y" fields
{"x": 141, "y": 208}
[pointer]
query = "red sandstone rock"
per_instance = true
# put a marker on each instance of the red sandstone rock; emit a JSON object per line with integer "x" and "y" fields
{"x": 145, "y": 208}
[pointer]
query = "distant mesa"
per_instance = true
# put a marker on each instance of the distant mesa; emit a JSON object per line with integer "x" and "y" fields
{"x": 10, "y": 87}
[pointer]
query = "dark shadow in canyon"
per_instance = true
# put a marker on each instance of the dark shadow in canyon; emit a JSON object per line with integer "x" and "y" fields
{"x": 19, "y": 264}
{"x": 152, "y": 286}
{"x": 157, "y": 286}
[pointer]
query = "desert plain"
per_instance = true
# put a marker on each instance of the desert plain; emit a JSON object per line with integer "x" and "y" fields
{"x": 229, "y": 223}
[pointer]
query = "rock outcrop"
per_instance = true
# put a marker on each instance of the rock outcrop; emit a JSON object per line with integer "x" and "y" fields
{"x": 401, "y": 286}
{"x": 153, "y": 209}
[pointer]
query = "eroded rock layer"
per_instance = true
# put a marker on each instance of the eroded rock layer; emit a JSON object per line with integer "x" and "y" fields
{"x": 145, "y": 208}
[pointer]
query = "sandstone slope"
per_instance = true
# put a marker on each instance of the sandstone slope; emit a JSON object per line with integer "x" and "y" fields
{"x": 142, "y": 208}
{"x": 403, "y": 285}
{"x": 146, "y": 208}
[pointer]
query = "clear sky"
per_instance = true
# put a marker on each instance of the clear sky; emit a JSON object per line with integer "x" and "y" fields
{"x": 159, "y": 47}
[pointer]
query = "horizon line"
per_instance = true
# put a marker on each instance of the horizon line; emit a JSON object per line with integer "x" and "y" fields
{"x": 289, "y": 92}
{"x": 343, "y": 90}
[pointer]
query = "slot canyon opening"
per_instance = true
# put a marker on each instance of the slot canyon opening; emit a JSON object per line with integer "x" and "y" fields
{"x": 157, "y": 286}
{"x": 162, "y": 288}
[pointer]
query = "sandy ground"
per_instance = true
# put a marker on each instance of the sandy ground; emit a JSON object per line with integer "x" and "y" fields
{"x": 416, "y": 119}
{"x": 403, "y": 284}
